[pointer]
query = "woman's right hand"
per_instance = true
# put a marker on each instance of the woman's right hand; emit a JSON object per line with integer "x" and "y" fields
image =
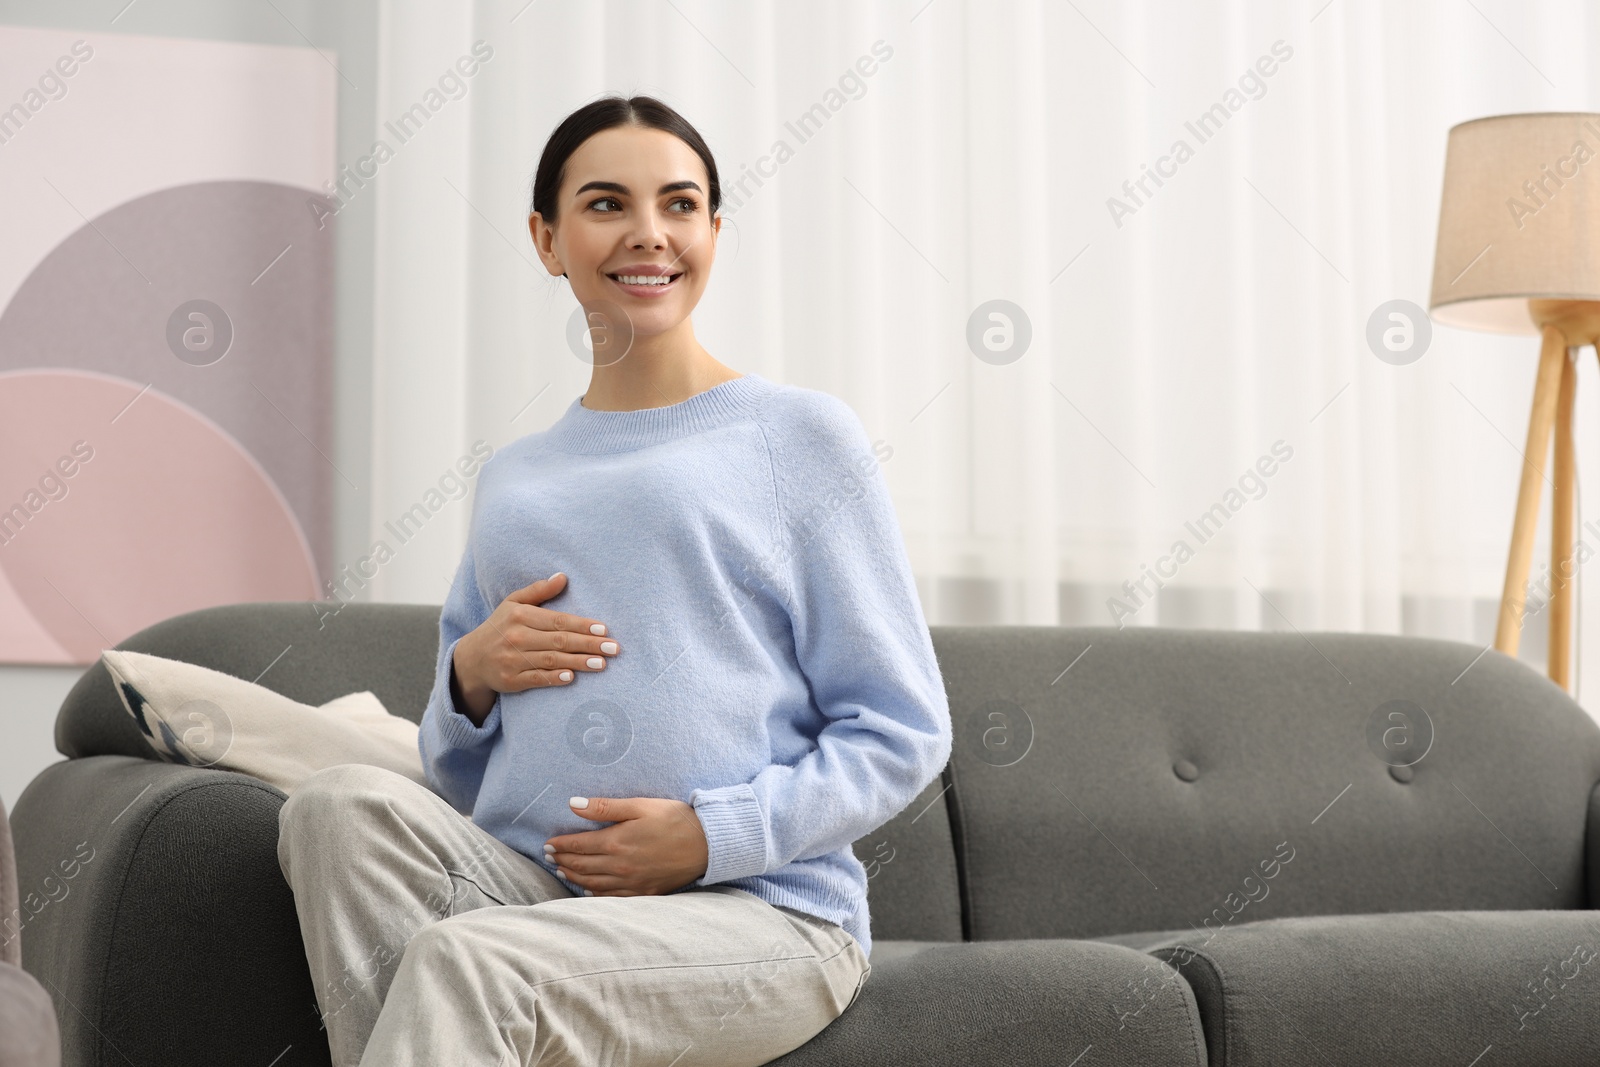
{"x": 524, "y": 646}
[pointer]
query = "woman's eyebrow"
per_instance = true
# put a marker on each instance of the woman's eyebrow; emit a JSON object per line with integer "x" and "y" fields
{"x": 618, "y": 187}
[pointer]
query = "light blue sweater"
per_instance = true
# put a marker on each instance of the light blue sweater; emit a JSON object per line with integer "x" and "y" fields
{"x": 775, "y": 671}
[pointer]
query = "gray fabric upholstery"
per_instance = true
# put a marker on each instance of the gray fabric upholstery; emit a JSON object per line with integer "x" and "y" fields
{"x": 1426, "y": 989}
{"x": 177, "y": 943}
{"x": 1020, "y": 1003}
{"x": 912, "y": 889}
{"x": 1144, "y": 940}
{"x": 885, "y": 950}
{"x": 1592, "y": 848}
{"x": 1093, "y": 832}
{"x": 387, "y": 648}
{"x": 1086, "y": 815}
{"x": 29, "y": 1034}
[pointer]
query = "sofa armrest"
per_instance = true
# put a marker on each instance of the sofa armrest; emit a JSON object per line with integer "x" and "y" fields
{"x": 1591, "y": 850}
{"x": 155, "y": 914}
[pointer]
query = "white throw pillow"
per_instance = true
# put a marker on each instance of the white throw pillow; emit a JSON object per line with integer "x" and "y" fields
{"x": 204, "y": 718}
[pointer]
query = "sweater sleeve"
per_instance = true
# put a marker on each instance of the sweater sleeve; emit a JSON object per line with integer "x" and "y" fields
{"x": 862, "y": 642}
{"x": 454, "y": 752}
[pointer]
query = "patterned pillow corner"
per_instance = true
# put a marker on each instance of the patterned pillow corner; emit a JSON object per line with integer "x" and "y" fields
{"x": 133, "y": 701}
{"x": 135, "y": 704}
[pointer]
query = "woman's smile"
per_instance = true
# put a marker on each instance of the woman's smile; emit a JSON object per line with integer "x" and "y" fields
{"x": 643, "y": 284}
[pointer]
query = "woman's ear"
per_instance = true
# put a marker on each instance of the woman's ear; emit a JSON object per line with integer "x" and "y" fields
{"x": 535, "y": 220}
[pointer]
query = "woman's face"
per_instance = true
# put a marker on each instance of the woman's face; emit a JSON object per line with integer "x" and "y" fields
{"x": 633, "y": 201}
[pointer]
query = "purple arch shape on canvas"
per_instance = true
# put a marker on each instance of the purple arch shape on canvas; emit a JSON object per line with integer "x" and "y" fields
{"x": 106, "y": 300}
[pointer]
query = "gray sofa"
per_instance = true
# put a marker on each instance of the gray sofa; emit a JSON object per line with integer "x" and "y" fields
{"x": 1149, "y": 847}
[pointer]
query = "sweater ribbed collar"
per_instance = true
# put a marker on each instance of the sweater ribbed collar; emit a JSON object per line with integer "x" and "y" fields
{"x": 583, "y": 430}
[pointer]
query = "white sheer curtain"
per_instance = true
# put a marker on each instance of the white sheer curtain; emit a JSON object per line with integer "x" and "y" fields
{"x": 1175, "y": 340}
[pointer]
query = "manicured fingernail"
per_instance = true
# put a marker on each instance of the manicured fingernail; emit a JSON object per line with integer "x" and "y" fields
{"x": 579, "y": 802}
{"x": 588, "y": 892}
{"x": 608, "y": 647}
{"x": 596, "y": 662}
{"x": 549, "y": 849}
{"x": 598, "y": 629}
{"x": 566, "y": 676}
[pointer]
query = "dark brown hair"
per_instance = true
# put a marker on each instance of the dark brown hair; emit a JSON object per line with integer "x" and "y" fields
{"x": 604, "y": 114}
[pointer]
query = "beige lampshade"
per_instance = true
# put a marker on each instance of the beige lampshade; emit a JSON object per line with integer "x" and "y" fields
{"x": 1520, "y": 219}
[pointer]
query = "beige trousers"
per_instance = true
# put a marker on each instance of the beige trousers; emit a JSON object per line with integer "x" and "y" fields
{"x": 432, "y": 942}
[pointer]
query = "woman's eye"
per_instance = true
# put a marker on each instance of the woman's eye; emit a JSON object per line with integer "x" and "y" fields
{"x": 595, "y": 206}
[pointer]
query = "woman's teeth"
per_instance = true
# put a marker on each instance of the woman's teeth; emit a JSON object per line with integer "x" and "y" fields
{"x": 644, "y": 279}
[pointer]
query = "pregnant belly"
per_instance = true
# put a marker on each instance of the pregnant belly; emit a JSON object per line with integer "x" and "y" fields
{"x": 588, "y": 740}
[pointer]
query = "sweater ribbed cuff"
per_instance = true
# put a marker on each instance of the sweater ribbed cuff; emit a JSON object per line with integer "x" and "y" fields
{"x": 458, "y": 731}
{"x": 736, "y": 832}
{"x": 454, "y": 727}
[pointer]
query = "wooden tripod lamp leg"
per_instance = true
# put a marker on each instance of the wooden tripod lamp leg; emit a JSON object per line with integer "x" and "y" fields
{"x": 1508, "y": 630}
{"x": 1561, "y": 515}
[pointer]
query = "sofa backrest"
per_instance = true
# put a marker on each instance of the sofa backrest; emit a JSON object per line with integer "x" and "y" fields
{"x": 391, "y": 649}
{"x": 1112, "y": 781}
{"x": 387, "y": 648}
{"x": 1169, "y": 779}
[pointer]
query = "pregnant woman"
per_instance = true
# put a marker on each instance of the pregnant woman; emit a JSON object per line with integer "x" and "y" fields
{"x": 637, "y": 847}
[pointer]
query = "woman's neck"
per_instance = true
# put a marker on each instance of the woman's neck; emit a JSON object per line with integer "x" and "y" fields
{"x": 654, "y": 375}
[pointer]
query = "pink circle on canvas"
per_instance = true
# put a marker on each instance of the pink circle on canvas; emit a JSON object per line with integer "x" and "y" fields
{"x": 167, "y": 515}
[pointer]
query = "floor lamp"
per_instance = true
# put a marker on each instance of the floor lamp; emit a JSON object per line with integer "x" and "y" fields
{"x": 1519, "y": 252}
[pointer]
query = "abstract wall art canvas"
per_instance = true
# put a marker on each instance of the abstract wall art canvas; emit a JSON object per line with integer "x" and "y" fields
{"x": 166, "y": 332}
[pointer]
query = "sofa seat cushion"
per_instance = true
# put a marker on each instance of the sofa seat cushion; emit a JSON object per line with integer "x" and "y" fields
{"x": 884, "y": 950}
{"x": 1032, "y": 1002}
{"x": 1421, "y": 988}
{"x": 1145, "y": 940}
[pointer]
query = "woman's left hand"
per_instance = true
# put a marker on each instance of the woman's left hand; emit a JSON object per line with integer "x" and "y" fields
{"x": 654, "y": 846}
